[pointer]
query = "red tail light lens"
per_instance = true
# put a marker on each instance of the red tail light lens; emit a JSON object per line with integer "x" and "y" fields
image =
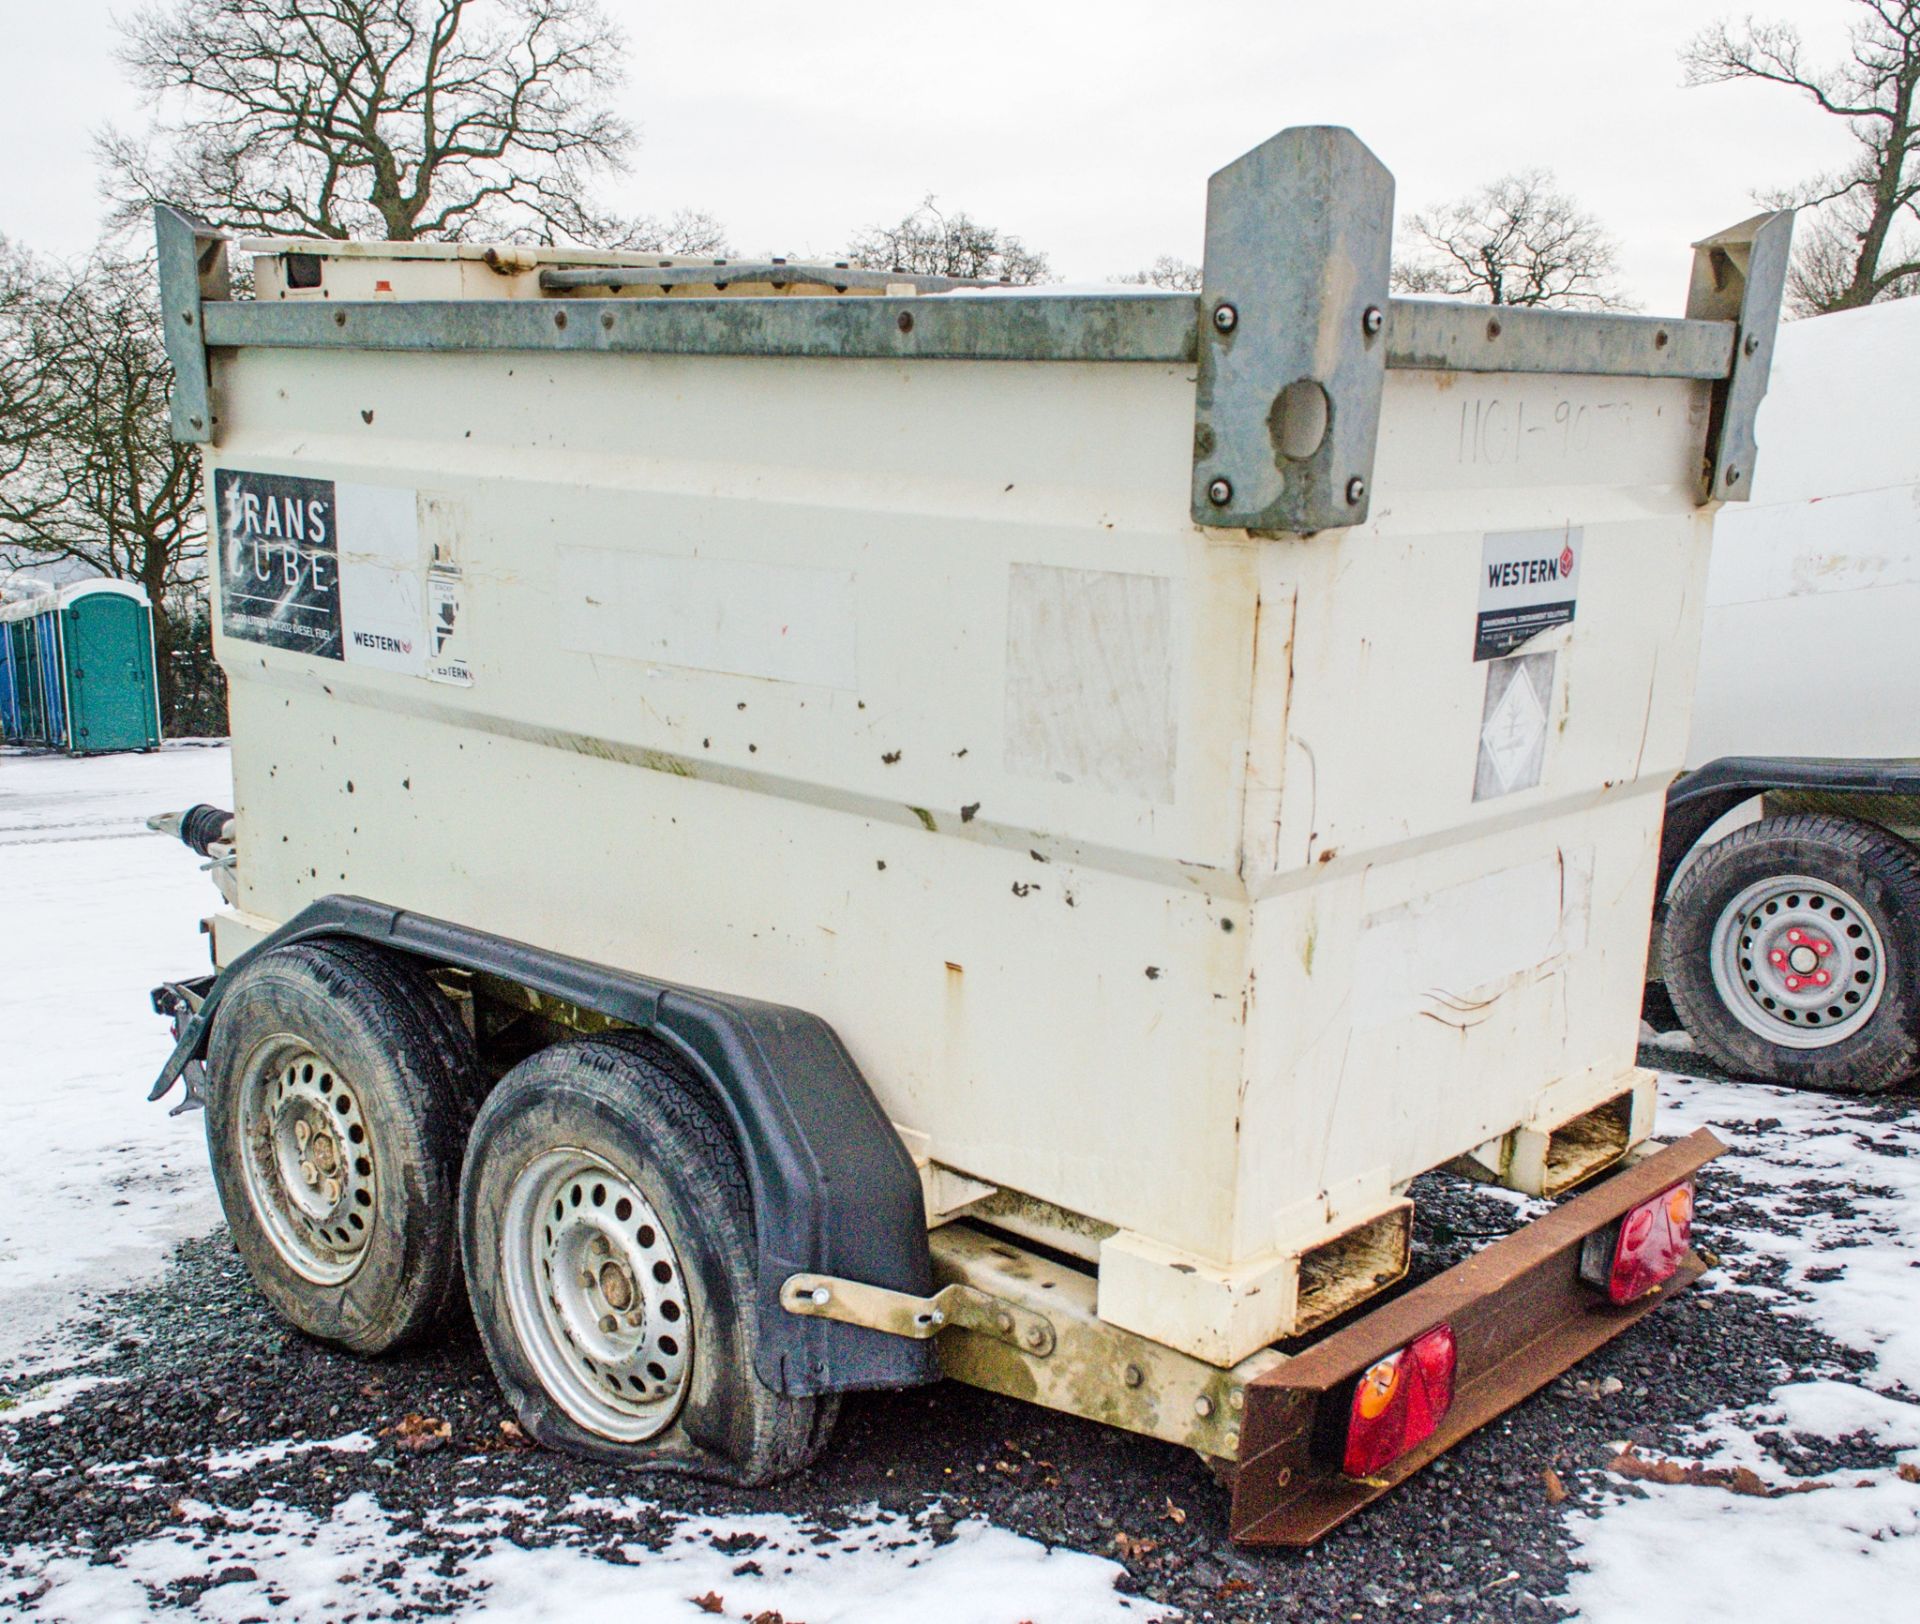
{"x": 1399, "y": 1401}
{"x": 1644, "y": 1248}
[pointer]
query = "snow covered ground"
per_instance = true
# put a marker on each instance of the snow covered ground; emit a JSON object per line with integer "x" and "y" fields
{"x": 1819, "y": 1217}
{"x": 1846, "y": 1542}
{"x": 95, "y": 911}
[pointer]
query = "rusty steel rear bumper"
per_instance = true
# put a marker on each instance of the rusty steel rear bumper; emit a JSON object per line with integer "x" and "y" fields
{"x": 1521, "y": 1316}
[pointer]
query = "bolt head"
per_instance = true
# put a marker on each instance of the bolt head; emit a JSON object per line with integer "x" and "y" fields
{"x": 1035, "y": 1336}
{"x": 1004, "y": 1320}
{"x": 1733, "y": 476}
{"x": 1373, "y": 320}
{"x": 1753, "y": 343}
{"x": 1220, "y": 492}
{"x": 1225, "y": 318}
{"x": 819, "y": 1296}
{"x": 1133, "y": 1376}
{"x": 1356, "y": 491}
{"x": 1203, "y": 1406}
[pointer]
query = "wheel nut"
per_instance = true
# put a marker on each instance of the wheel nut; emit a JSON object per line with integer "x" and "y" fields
{"x": 609, "y": 1324}
{"x": 598, "y": 1246}
{"x": 635, "y": 1317}
{"x": 333, "y": 1192}
{"x": 587, "y": 1280}
{"x": 302, "y": 1132}
{"x": 310, "y": 1174}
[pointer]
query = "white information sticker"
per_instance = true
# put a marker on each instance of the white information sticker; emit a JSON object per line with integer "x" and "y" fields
{"x": 1513, "y": 725}
{"x": 1528, "y": 579}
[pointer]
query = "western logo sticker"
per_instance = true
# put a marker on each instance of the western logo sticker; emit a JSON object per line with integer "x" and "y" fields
{"x": 1528, "y": 582}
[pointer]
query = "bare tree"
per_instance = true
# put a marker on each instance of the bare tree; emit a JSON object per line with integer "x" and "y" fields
{"x": 1168, "y": 271}
{"x": 1861, "y": 244}
{"x": 930, "y": 243}
{"x": 1519, "y": 240}
{"x": 93, "y": 474}
{"x": 399, "y": 119}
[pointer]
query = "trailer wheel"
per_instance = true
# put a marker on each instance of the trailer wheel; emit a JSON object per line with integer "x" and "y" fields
{"x": 1792, "y": 953}
{"x": 340, "y": 1089}
{"x": 610, "y": 1258}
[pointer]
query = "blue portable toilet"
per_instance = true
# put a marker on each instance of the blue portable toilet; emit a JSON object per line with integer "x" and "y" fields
{"x": 77, "y": 668}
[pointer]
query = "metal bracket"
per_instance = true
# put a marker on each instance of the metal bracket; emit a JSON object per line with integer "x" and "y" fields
{"x": 900, "y": 1314}
{"x": 1293, "y": 341}
{"x": 1740, "y": 275}
{"x": 193, "y": 266}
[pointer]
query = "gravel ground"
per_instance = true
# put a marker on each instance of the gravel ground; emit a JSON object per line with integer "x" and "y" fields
{"x": 193, "y": 1372}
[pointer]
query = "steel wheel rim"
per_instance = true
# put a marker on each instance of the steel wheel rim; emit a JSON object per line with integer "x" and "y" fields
{"x": 307, "y": 1160}
{"x": 1775, "y": 939}
{"x": 597, "y": 1295}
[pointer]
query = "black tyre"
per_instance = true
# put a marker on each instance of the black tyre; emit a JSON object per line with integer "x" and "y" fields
{"x": 340, "y": 1088}
{"x": 1791, "y": 952}
{"x": 610, "y": 1255}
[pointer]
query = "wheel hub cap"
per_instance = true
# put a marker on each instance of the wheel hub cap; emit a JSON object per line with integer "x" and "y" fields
{"x": 594, "y": 1287}
{"x": 1798, "y": 961}
{"x": 308, "y": 1161}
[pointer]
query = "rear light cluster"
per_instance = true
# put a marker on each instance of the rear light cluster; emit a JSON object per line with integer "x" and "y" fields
{"x": 1630, "y": 1258}
{"x": 1399, "y": 1401}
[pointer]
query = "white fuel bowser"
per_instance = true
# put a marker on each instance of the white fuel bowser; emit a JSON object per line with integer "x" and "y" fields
{"x": 823, "y": 827}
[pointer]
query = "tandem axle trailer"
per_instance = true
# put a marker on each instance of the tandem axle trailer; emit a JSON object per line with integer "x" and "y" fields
{"x": 802, "y": 830}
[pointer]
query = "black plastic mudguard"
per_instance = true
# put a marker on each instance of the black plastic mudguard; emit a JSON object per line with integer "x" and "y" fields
{"x": 1699, "y": 799}
{"x": 834, "y": 1190}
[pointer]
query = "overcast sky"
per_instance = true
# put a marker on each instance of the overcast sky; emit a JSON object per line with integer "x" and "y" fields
{"x": 1086, "y": 126}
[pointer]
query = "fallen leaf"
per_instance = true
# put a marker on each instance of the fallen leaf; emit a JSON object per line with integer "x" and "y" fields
{"x": 1174, "y": 1513}
{"x": 1132, "y": 1549}
{"x": 709, "y": 1603}
{"x": 1556, "y": 1490}
{"x": 418, "y": 1434}
{"x": 1734, "y": 1479}
{"x": 1233, "y": 1587}
{"x": 1907, "y": 1472}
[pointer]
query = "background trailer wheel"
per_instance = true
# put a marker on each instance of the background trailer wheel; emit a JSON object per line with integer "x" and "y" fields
{"x": 340, "y": 1087}
{"x": 1791, "y": 949}
{"x": 610, "y": 1255}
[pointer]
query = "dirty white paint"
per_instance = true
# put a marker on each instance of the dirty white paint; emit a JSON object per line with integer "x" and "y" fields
{"x": 1090, "y": 679}
{"x": 1451, "y": 953}
{"x": 784, "y": 622}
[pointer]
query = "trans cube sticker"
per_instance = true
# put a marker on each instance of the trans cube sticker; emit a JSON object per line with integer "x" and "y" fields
{"x": 1527, "y": 583}
{"x": 322, "y": 567}
{"x": 279, "y": 561}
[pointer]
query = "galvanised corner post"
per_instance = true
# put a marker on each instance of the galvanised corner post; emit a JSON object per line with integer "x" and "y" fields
{"x": 1740, "y": 275}
{"x": 192, "y": 260}
{"x": 1292, "y": 334}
